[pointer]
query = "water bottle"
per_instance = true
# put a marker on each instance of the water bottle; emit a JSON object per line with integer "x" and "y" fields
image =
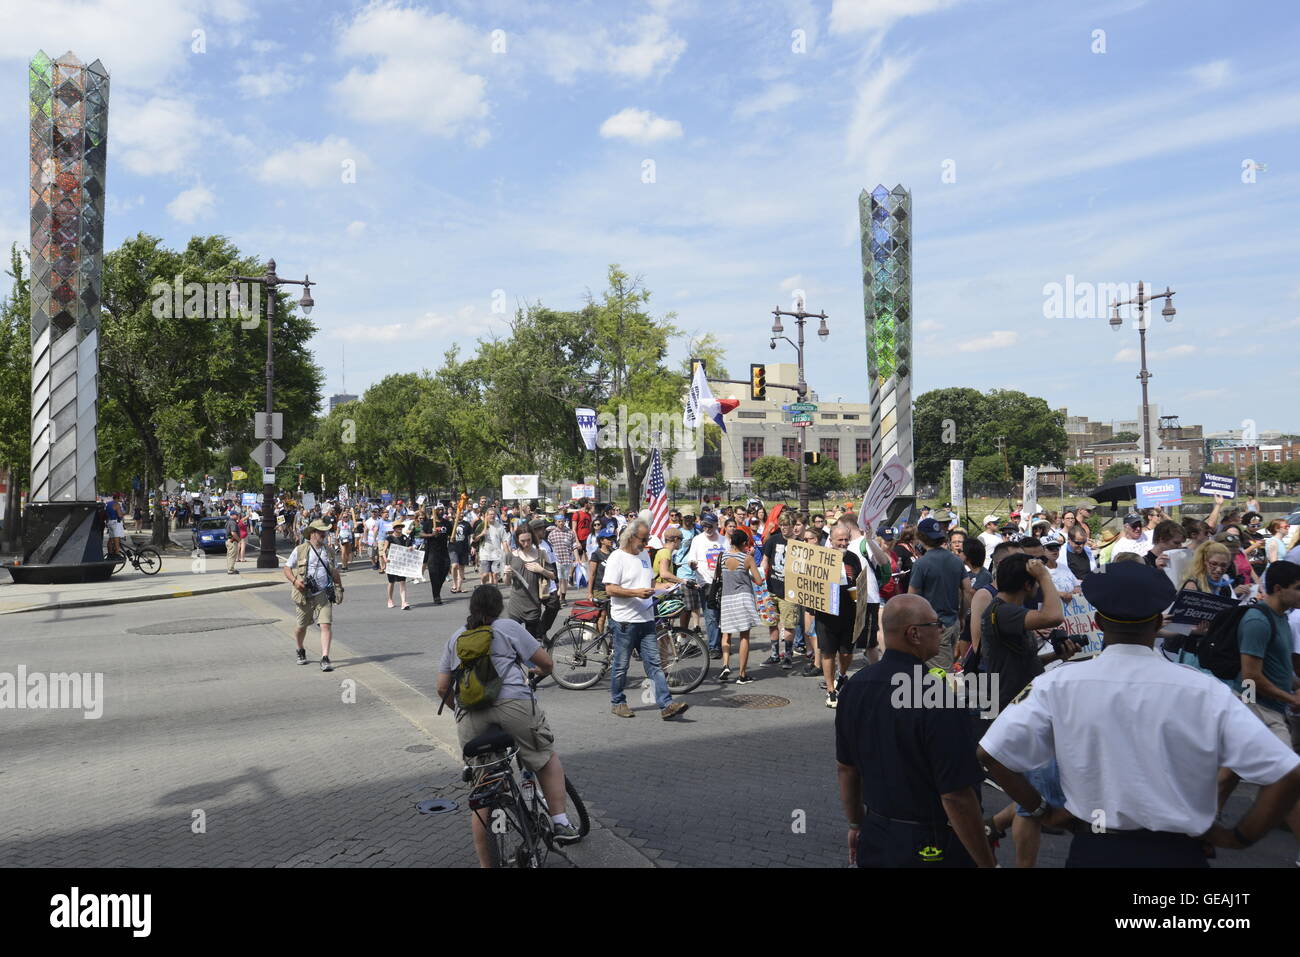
{"x": 529, "y": 787}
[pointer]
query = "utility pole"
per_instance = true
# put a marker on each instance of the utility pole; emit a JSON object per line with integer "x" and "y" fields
{"x": 801, "y": 388}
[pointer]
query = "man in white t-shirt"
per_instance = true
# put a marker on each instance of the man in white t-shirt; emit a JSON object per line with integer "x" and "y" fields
{"x": 310, "y": 568}
{"x": 991, "y": 538}
{"x": 1133, "y": 538}
{"x": 629, "y": 582}
{"x": 706, "y": 547}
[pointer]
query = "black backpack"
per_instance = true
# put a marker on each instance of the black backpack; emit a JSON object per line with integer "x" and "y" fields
{"x": 1219, "y": 649}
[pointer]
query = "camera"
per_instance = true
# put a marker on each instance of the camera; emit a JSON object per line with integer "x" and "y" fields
{"x": 1058, "y": 637}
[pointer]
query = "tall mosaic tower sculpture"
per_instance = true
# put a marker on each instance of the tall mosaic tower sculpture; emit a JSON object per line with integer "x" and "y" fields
{"x": 885, "y": 218}
{"x": 69, "y": 131}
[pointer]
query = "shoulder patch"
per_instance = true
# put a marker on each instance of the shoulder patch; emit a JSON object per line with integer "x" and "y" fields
{"x": 1023, "y": 694}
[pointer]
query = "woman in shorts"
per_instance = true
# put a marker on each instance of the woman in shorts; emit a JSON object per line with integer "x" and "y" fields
{"x": 490, "y": 539}
{"x": 739, "y": 611}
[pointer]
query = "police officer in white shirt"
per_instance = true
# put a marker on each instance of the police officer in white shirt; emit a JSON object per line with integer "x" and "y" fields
{"x": 1145, "y": 799}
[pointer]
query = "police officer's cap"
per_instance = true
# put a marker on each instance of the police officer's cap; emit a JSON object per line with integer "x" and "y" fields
{"x": 1129, "y": 592}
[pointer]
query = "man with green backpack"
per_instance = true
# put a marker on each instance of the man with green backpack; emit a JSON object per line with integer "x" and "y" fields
{"x": 483, "y": 670}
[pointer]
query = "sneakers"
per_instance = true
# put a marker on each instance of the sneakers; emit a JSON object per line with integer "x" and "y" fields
{"x": 745, "y": 680}
{"x": 724, "y": 675}
{"x": 325, "y": 663}
{"x": 821, "y": 683}
{"x": 437, "y": 600}
{"x": 809, "y": 670}
{"x": 832, "y": 700}
{"x": 622, "y": 711}
{"x": 302, "y": 656}
{"x": 716, "y": 654}
{"x": 772, "y": 659}
{"x": 565, "y": 833}
{"x": 786, "y": 663}
{"x": 673, "y": 710}
{"x": 839, "y": 682}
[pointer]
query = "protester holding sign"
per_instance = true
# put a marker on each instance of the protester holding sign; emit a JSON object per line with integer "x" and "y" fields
{"x": 835, "y": 627}
{"x": 397, "y": 536}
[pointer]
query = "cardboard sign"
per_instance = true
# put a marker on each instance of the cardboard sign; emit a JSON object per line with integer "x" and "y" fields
{"x": 308, "y": 500}
{"x": 518, "y": 486}
{"x": 1224, "y": 485}
{"x": 889, "y": 481}
{"x": 957, "y": 482}
{"x": 812, "y": 576}
{"x": 343, "y": 495}
{"x": 405, "y": 561}
{"x": 583, "y": 491}
{"x": 1031, "y": 492}
{"x": 1194, "y": 607}
{"x": 1159, "y": 492}
{"x": 249, "y": 498}
{"x": 1081, "y": 627}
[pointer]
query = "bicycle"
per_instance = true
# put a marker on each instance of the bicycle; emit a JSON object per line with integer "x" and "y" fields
{"x": 583, "y": 655}
{"x": 518, "y": 821}
{"x": 145, "y": 560}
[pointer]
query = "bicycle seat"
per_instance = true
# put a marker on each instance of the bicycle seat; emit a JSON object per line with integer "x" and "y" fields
{"x": 493, "y": 739}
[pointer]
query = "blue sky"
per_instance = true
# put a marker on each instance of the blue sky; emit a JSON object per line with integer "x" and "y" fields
{"x": 514, "y": 161}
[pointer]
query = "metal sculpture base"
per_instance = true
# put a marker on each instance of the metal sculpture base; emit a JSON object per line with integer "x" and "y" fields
{"x": 62, "y": 544}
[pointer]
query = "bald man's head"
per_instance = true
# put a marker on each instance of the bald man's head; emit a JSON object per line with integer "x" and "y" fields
{"x": 911, "y": 626}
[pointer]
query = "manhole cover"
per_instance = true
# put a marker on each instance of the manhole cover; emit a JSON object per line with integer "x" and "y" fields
{"x": 436, "y": 806}
{"x": 753, "y": 701}
{"x": 190, "y": 626}
{"x": 420, "y": 748}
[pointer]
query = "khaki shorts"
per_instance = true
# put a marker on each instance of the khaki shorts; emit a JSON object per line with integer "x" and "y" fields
{"x": 787, "y": 612}
{"x": 1275, "y": 721}
{"x": 318, "y": 609}
{"x": 527, "y": 726}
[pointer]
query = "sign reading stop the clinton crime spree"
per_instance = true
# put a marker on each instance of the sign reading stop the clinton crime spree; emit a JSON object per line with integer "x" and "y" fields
{"x": 812, "y": 576}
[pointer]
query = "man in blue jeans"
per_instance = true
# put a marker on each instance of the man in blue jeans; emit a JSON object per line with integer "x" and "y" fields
{"x": 706, "y": 547}
{"x": 627, "y": 581}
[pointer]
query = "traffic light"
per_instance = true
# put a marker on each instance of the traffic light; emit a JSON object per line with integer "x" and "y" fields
{"x": 811, "y": 458}
{"x": 757, "y": 381}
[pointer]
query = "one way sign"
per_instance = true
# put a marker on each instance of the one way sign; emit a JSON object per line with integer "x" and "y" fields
{"x": 259, "y": 454}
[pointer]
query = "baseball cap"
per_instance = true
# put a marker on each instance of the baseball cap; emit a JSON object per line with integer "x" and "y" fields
{"x": 989, "y": 518}
{"x": 1133, "y": 518}
{"x": 605, "y": 533}
{"x": 708, "y": 518}
{"x": 930, "y": 529}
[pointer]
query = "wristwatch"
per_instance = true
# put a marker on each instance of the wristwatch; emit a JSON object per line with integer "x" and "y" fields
{"x": 1040, "y": 810}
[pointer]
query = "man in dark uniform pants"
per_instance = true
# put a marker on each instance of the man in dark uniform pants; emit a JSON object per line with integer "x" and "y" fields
{"x": 909, "y": 781}
{"x": 1139, "y": 741}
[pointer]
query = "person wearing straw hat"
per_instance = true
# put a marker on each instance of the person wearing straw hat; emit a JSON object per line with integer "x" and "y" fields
{"x": 317, "y": 587}
{"x": 397, "y": 536}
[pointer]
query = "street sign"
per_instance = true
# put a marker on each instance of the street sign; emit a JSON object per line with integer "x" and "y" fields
{"x": 259, "y": 454}
{"x": 268, "y": 426}
{"x": 268, "y": 476}
{"x": 802, "y": 425}
{"x": 802, "y": 407}
{"x": 801, "y": 418}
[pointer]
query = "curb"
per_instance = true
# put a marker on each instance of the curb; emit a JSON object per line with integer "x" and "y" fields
{"x": 129, "y": 599}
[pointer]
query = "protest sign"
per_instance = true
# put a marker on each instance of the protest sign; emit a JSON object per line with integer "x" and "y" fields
{"x": 1224, "y": 485}
{"x": 1194, "y": 607}
{"x": 343, "y": 495}
{"x": 812, "y": 576}
{"x": 1031, "y": 493}
{"x": 405, "y": 561}
{"x": 587, "y": 429}
{"x": 889, "y": 481}
{"x": 1081, "y": 627}
{"x": 249, "y": 498}
{"x": 957, "y": 482}
{"x": 518, "y": 486}
{"x": 1159, "y": 492}
{"x": 583, "y": 491}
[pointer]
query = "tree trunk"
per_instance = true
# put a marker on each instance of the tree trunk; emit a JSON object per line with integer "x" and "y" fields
{"x": 13, "y": 534}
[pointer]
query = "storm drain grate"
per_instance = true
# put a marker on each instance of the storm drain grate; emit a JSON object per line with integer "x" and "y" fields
{"x": 190, "y": 626}
{"x": 753, "y": 701}
{"x": 419, "y": 748}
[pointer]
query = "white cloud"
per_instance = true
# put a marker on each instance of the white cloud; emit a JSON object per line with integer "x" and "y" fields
{"x": 638, "y": 50}
{"x": 929, "y": 325}
{"x": 851, "y": 16}
{"x": 1206, "y": 394}
{"x": 420, "y": 78}
{"x": 356, "y": 229}
{"x": 1173, "y": 352}
{"x": 640, "y": 126}
{"x": 654, "y": 49}
{"x": 792, "y": 283}
{"x": 1213, "y": 74}
{"x": 775, "y": 97}
{"x": 997, "y": 339}
{"x": 191, "y": 204}
{"x": 158, "y": 135}
{"x": 400, "y": 331}
{"x": 311, "y": 164}
{"x": 256, "y": 86}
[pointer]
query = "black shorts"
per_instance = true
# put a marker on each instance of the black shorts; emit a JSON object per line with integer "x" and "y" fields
{"x": 834, "y": 635}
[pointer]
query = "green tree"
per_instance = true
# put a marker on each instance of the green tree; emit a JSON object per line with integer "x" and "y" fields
{"x": 1034, "y": 433}
{"x": 944, "y": 423}
{"x": 1124, "y": 437}
{"x": 15, "y": 390}
{"x": 1290, "y": 473}
{"x": 986, "y": 470}
{"x": 1082, "y": 476}
{"x": 773, "y": 473}
{"x": 1218, "y": 468}
{"x": 1117, "y": 470}
{"x": 960, "y": 423}
{"x": 824, "y": 477}
{"x": 183, "y": 389}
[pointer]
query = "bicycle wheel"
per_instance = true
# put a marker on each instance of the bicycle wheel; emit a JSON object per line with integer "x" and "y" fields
{"x": 149, "y": 561}
{"x": 576, "y": 806}
{"x": 684, "y": 657}
{"x": 121, "y": 562}
{"x": 581, "y": 656}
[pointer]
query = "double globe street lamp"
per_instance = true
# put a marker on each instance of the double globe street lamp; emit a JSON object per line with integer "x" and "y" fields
{"x": 1141, "y": 300}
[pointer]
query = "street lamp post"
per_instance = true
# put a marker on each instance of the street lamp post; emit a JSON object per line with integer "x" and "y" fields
{"x": 800, "y": 317}
{"x": 266, "y": 557}
{"x": 1148, "y": 454}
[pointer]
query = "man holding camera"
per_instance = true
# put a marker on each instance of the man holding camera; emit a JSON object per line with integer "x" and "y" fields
{"x": 316, "y": 589}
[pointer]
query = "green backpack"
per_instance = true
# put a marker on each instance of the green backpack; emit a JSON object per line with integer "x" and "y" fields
{"x": 475, "y": 682}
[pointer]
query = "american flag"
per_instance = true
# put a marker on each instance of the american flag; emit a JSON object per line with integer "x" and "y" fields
{"x": 657, "y": 495}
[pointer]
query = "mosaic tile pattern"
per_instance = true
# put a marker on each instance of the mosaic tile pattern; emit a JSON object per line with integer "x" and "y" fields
{"x": 885, "y": 220}
{"x": 69, "y": 132}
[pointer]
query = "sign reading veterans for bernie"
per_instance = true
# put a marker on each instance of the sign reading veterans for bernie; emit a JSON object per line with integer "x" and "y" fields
{"x": 1194, "y": 607}
{"x": 1224, "y": 485}
{"x": 1159, "y": 492}
{"x": 812, "y": 576}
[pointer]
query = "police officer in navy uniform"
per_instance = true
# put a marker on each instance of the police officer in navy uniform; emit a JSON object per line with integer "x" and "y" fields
{"x": 909, "y": 780}
{"x": 1139, "y": 741}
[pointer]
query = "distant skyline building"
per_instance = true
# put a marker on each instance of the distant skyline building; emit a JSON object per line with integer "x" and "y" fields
{"x": 885, "y": 219}
{"x": 341, "y": 398}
